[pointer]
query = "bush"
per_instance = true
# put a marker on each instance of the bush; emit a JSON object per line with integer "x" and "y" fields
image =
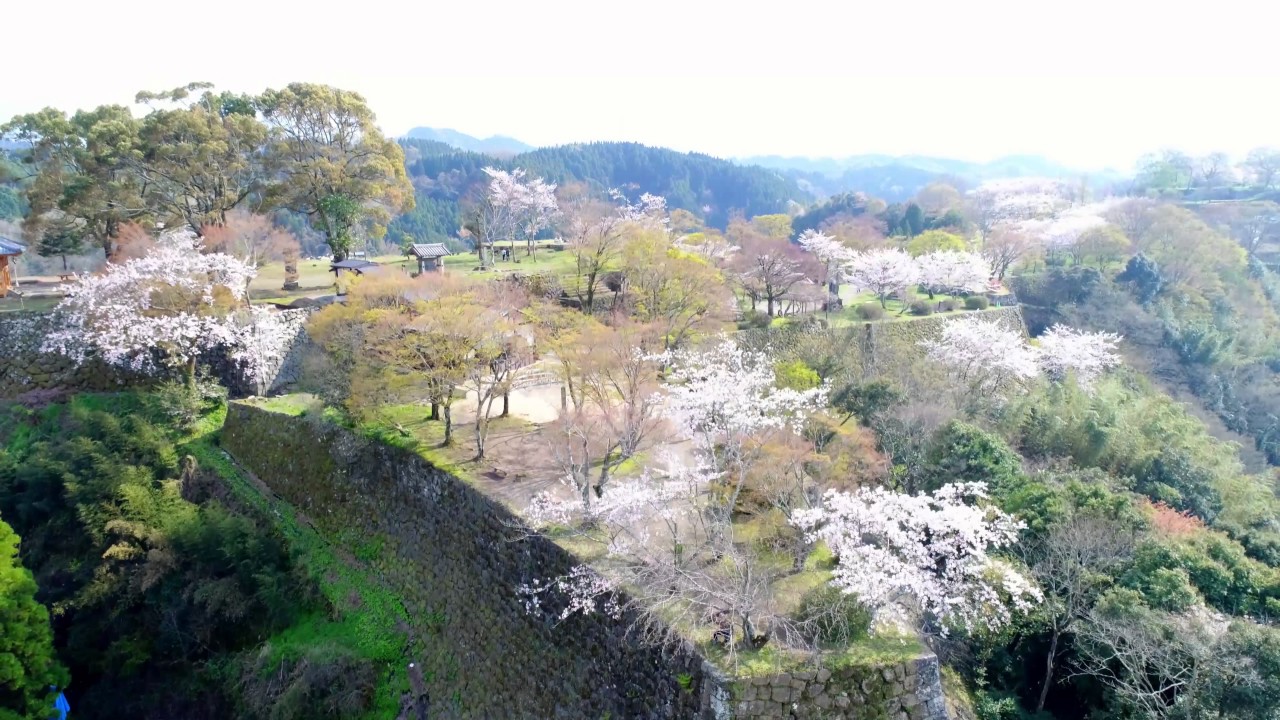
{"x": 796, "y": 375}
{"x": 183, "y": 405}
{"x": 922, "y": 307}
{"x": 833, "y": 618}
{"x": 754, "y": 319}
{"x": 948, "y": 305}
{"x": 976, "y": 302}
{"x": 870, "y": 311}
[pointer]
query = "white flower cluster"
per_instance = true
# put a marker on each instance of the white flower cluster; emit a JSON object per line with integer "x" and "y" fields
{"x": 988, "y": 356}
{"x": 886, "y": 271}
{"x": 583, "y": 589}
{"x": 728, "y": 391}
{"x": 922, "y": 554}
{"x": 168, "y": 306}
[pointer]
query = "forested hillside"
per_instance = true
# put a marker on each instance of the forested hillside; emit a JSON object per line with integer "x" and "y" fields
{"x": 710, "y": 188}
{"x": 895, "y": 179}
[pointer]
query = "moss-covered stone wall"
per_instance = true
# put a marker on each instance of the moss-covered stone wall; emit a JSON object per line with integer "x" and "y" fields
{"x": 455, "y": 558}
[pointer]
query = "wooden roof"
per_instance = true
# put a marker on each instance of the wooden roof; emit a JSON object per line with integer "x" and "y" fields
{"x": 352, "y": 264}
{"x": 11, "y": 247}
{"x": 429, "y": 250}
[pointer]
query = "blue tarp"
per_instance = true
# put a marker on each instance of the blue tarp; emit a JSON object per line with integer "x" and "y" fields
{"x": 62, "y": 706}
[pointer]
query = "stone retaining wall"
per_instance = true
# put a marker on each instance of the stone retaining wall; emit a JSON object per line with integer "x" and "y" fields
{"x": 910, "y": 691}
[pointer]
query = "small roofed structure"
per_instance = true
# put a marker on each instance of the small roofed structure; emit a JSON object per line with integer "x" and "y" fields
{"x": 430, "y": 255}
{"x": 8, "y": 249}
{"x": 352, "y": 265}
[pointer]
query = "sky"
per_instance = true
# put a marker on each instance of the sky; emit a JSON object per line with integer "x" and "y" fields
{"x": 1087, "y": 83}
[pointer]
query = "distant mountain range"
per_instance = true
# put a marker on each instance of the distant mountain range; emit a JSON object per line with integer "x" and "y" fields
{"x": 896, "y": 178}
{"x": 497, "y": 144}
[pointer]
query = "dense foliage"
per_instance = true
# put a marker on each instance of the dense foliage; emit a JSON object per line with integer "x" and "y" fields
{"x": 162, "y": 585}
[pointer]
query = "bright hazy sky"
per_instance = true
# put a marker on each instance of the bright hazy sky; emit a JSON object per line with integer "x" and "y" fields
{"x": 1087, "y": 83}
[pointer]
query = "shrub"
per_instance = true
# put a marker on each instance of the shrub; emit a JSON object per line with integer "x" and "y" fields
{"x": 976, "y": 302}
{"x": 870, "y": 311}
{"x": 922, "y": 307}
{"x": 833, "y": 618}
{"x": 183, "y": 405}
{"x": 795, "y": 374}
{"x": 948, "y": 305}
{"x": 754, "y": 319}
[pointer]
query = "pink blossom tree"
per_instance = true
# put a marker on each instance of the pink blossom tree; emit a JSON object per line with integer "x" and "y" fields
{"x": 831, "y": 253}
{"x": 166, "y": 309}
{"x": 983, "y": 357}
{"x": 514, "y": 205}
{"x": 883, "y": 272}
{"x": 949, "y": 271}
{"x": 1066, "y": 351}
{"x": 915, "y": 560}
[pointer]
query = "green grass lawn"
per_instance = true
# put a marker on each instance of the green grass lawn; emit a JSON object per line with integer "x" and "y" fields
{"x": 316, "y": 279}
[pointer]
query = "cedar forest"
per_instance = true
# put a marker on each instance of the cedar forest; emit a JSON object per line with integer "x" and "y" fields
{"x": 1056, "y": 471}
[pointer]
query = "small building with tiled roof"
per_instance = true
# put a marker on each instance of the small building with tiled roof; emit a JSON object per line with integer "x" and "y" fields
{"x": 8, "y": 249}
{"x": 430, "y": 255}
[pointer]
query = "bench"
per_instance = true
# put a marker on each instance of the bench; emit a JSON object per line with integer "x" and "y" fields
{"x": 64, "y": 277}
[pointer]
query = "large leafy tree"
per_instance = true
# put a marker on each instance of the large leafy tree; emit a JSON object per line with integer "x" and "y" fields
{"x": 28, "y": 667}
{"x": 332, "y": 163}
{"x": 82, "y": 170}
{"x": 199, "y": 162}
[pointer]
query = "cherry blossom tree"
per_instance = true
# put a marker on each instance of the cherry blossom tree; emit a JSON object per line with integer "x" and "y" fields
{"x": 514, "y": 205}
{"x": 165, "y": 309}
{"x": 1085, "y": 355}
{"x": 1060, "y": 232}
{"x": 831, "y": 253}
{"x": 915, "y": 560}
{"x": 983, "y": 357}
{"x": 884, "y": 272}
{"x": 768, "y": 268}
{"x": 949, "y": 271}
{"x": 1015, "y": 200}
{"x": 727, "y": 401}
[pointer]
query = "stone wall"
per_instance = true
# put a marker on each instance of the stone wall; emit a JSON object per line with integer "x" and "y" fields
{"x": 23, "y": 367}
{"x": 910, "y": 691}
{"x": 455, "y": 558}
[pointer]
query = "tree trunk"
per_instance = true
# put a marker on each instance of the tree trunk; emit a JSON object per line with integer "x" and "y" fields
{"x": 1048, "y": 670}
{"x": 479, "y": 438}
{"x": 506, "y": 404}
{"x": 769, "y": 304}
{"x": 435, "y": 411}
{"x": 190, "y": 375}
{"x": 64, "y": 263}
{"x": 448, "y": 425}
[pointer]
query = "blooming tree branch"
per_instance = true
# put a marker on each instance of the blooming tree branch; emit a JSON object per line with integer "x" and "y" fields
{"x": 924, "y": 557}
